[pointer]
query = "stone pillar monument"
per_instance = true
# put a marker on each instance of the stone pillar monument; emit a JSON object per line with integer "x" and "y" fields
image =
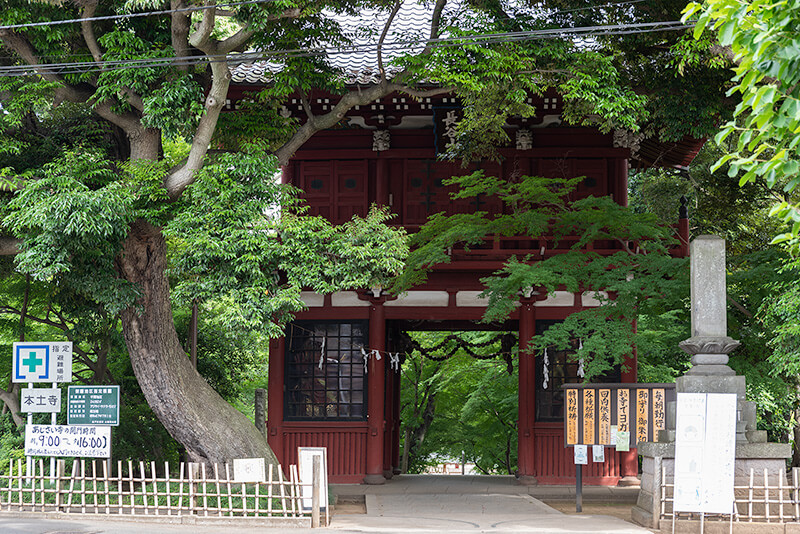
{"x": 709, "y": 347}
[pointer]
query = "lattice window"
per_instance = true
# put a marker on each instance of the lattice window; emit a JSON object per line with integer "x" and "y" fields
{"x": 559, "y": 367}
{"x": 325, "y": 377}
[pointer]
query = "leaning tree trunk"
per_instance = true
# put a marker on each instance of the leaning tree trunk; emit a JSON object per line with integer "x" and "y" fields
{"x": 193, "y": 413}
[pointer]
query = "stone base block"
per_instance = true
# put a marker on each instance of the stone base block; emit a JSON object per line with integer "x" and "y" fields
{"x": 660, "y": 457}
{"x": 711, "y": 384}
{"x": 641, "y": 516}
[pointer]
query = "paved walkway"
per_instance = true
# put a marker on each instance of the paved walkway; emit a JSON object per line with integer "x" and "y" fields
{"x": 405, "y": 505}
{"x": 472, "y": 504}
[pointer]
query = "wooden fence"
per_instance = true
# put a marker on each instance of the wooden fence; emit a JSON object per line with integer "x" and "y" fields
{"x": 89, "y": 487}
{"x": 764, "y": 499}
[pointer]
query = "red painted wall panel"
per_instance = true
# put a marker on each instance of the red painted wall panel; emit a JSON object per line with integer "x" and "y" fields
{"x": 554, "y": 463}
{"x": 346, "y": 443}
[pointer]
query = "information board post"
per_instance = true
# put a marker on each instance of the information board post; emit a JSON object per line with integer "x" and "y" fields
{"x": 28, "y": 459}
{"x": 579, "y": 488}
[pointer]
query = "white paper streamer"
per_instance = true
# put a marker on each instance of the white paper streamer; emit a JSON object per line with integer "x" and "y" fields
{"x": 581, "y": 371}
{"x": 365, "y": 356}
{"x": 322, "y": 353}
{"x": 546, "y": 369}
{"x": 394, "y": 361}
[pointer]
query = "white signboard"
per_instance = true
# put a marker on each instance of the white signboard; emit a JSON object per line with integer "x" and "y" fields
{"x": 42, "y": 361}
{"x": 705, "y": 452}
{"x": 92, "y": 441}
{"x": 581, "y": 454}
{"x": 40, "y": 400}
{"x": 305, "y": 459}
{"x": 249, "y": 470}
{"x": 598, "y": 453}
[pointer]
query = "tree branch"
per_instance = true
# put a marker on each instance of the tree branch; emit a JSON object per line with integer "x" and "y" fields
{"x": 739, "y": 307}
{"x": 398, "y": 4}
{"x": 87, "y": 30}
{"x": 19, "y": 45}
{"x": 9, "y": 246}
{"x": 179, "y": 29}
{"x": 436, "y": 19}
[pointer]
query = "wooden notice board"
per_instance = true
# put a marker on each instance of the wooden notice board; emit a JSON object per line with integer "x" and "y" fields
{"x": 592, "y": 409}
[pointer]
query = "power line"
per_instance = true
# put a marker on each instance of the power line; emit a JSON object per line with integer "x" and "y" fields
{"x": 242, "y": 3}
{"x": 394, "y": 46}
{"x": 132, "y": 15}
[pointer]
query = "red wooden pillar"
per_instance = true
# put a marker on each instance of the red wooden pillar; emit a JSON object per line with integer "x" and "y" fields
{"x": 388, "y": 436}
{"x": 621, "y": 185}
{"x": 629, "y": 461}
{"x": 376, "y": 379}
{"x": 396, "y": 433}
{"x": 382, "y": 182}
{"x": 277, "y": 358}
{"x": 527, "y": 394}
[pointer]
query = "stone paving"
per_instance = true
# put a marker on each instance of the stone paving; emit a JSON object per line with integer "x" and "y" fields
{"x": 452, "y": 503}
{"x": 405, "y": 505}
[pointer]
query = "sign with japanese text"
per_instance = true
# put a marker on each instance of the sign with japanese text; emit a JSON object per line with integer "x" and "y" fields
{"x": 445, "y": 125}
{"x": 642, "y": 414}
{"x": 588, "y": 416}
{"x": 40, "y": 400}
{"x": 623, "y": 409}
{"x": 571, "y": 415}
{"x": 705, "y": 452}
{"x": 659, "y": 410}
{"x": 598, "y": 453}
{"x": 42, "y": 361}
{"x": 249, "y": 470}
{"x": 65, "y": 440}
{"x": 636, "y": 412}
{"x": 581, "y": 455}
{"x": 93, "y": 405}
{"x": 604, "y": 415}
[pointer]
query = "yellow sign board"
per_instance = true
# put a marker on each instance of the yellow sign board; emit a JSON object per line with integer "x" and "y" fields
{"x": 572, "y": 416}
{"x": 642, "y": 413}
{"x": 588, "y": 417}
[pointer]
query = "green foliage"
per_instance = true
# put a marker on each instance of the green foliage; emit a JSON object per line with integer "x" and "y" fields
{"x": 227, "y": 358}
{"x": 72, "y": 222}
{"x": 762, "y": 37}
{"x": 229, "y": 244}
{"x": 174, "y": 107}
{"x": 258, "y": 121}
{"x": 638, "y": 273}
{"x": 460, "y": 405}
{"x": 758, "y": 283}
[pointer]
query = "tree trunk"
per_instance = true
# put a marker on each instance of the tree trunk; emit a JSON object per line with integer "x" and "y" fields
{"x": 193, "y": 413}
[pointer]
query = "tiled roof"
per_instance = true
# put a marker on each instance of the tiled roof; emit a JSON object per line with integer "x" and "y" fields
{"x": 359, "y": 63}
